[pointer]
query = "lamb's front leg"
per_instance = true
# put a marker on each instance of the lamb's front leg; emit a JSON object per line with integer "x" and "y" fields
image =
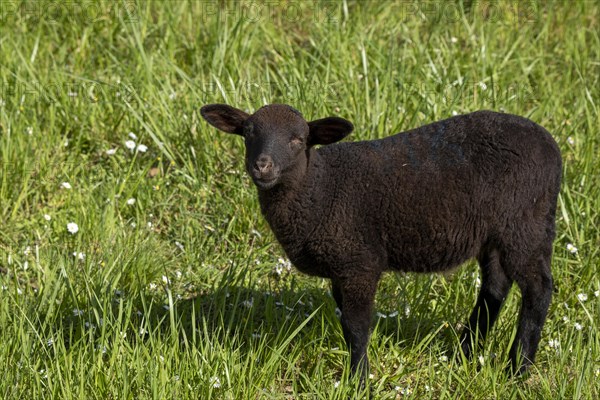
{"x": 356, "y": 296}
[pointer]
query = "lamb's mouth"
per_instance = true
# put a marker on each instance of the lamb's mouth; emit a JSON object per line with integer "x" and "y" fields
{"x": 265, "y": 183}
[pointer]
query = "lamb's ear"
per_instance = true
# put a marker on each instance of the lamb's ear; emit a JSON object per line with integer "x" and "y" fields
{"x": 224, "y": 117}
{"x": 328, "y": 130}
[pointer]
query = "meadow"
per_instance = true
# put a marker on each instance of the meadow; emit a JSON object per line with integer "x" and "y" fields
{"x": 134, "y": 262}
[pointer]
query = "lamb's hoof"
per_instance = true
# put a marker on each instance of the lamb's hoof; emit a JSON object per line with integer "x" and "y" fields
{"x": 521, "y": 372}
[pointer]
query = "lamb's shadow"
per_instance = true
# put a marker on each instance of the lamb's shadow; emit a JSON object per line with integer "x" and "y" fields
{"x": 231, "y": 311}
{"x": 241, "y": 310}
{"x": 238, "y": 310}
{"x": 248, "y": 312}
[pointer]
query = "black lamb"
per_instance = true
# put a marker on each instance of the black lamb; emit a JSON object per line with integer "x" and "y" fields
{"x": 482, "y": 185}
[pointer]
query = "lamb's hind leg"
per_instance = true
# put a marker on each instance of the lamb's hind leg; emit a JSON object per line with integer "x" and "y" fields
{"x": 494, "y": 288}
{"x": 534, "y": 278}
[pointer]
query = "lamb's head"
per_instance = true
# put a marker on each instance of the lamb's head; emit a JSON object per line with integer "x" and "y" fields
{"x": 277, "y": 139}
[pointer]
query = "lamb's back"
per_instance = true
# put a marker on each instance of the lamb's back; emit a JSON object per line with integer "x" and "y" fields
{"x": 433, "y": 195}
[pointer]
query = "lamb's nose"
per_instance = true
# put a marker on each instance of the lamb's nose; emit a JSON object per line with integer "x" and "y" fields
{"x": 264, "y": 164}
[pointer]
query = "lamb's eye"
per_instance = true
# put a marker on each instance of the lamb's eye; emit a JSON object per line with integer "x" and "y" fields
{"x": 249, "y": 131}
{"x": 295, "y": 143}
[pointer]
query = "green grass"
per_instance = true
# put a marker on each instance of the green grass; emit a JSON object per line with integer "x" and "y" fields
{"x": 177, "y": 295}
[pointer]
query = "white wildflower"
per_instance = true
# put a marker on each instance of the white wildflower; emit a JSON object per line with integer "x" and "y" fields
{"x": 597, "y": 293}
{"x": 130, "y": 144}
{"x": 571, "y": 249}
{"x": 131, "y": 201}
{"x": 50, "y": 342}
{"x": 278, "y": 269}
{"x": 453, "y": 39}
{"x": 482, "y": 85}
{"x": 380, "y": 315}
{"x": 166, "y": 280}
{"x": 29, "y": 130}
{"x": 72, "y": 227}
{"x": 152, "y": 286}
{"x": 286, "y": 264}
{"x": 578, "y": 326}
{"x": 27, "y": 250}
{"x": 582, "y": 297}
{"x": 179, "y": 246}
{"x": 443, "y": 358}
{"x": 132, "y": 135}
{"x": 553, "y": 343}
{"x": 481, "y": 360}
{"x": 215, "y": 382}
{"x": 111, "y": 152}
{"x": 248, "y": 303}
{"x": 142, "y": 148}
{"x": 66, "y": 185}
{"x": 393, "y": 314}
{"x": 336, "y": 384}
{"x": 47, "y": 217}
{"x": 77, "y": 312}
{"x": 571, "y": 140}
